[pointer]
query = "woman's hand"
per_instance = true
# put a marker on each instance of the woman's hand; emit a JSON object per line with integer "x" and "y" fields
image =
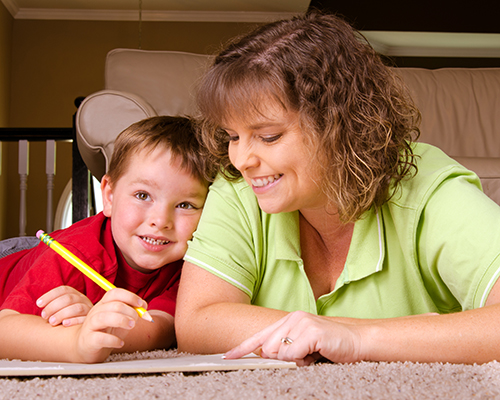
{"x": 107, "y": 325}
{"x": 64, "y": 305}
{"x": 303, "y": 338}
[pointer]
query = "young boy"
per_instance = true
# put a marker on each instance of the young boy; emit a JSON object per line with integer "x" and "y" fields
{"x": 153, "y": 195}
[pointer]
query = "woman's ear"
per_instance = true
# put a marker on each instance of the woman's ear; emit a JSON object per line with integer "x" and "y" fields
{"x": 107, "y": 195}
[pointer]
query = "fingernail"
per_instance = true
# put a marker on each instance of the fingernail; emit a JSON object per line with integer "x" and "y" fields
{"x": 39, "y": 303}
{"x": 131, "y": 323}
{"x": 52, "y": 320}
{"x": 44, "y": 315}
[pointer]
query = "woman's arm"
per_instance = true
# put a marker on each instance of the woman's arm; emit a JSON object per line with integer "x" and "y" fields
{"x": 465, "y": 337}
{"x": 213, "y": 316}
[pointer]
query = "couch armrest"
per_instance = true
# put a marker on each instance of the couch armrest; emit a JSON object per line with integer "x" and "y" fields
{"x": 100, "y": 119}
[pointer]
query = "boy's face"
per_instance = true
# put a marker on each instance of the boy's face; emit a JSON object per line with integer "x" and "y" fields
{"x": 154, "y": 208}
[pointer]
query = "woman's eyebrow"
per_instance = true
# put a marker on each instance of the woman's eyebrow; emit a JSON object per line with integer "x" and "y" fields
{"x": 266, "y": 124}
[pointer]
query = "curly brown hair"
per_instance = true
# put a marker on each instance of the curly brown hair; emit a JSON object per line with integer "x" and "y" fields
{"x": 357, "y": 117}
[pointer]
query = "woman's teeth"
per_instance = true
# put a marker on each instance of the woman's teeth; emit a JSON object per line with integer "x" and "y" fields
{"x": 154, "y": 241}
{"x": 260, "y": 182}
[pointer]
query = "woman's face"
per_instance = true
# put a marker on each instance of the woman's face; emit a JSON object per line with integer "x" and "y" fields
{"x": 269, "y": 151}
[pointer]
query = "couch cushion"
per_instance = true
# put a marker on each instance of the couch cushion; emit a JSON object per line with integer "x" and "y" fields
{"x": 460, "y": 108}
{"x": 488, "y": 170}
{"x": 166, "y": 79}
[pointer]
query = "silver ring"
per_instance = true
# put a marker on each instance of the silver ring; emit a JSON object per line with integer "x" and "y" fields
{"x": 286, "y": 340}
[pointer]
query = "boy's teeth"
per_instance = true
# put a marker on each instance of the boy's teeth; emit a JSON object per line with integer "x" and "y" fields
{"x": 154, "y": 241}
{"x": 265, "y": 181}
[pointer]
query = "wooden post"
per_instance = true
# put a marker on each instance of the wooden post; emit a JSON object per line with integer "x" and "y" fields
{"x": 23, "y": 170}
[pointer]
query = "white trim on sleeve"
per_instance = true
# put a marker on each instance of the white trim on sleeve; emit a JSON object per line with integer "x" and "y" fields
{"x": 221, "y": 274}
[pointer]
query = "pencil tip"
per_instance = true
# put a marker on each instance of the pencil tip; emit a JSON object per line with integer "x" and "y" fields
{"x": 147, "y": 316}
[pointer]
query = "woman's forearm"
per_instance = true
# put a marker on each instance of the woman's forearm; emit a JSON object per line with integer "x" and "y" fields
{"x": 216, "y": 328}
{"x": 212, "y": 316}
{"x": 464, "y": 337}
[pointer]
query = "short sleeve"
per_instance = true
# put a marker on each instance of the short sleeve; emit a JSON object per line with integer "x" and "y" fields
{"x": 227, "y": 242}
{"x": 43, "y": 273}
{"x": 459, "y": 244}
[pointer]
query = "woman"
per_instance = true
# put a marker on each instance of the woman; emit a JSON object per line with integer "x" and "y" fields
{"x": 330, "y": 232}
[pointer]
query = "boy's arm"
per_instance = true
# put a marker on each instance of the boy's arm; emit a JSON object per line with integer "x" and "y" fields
{"x": 147, "y": 335}
{"x": 30, "y": 337}
{"x": 64, "y": 305}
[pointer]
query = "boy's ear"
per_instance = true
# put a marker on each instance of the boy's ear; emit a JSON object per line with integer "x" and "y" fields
{"x": 107, "y": 196}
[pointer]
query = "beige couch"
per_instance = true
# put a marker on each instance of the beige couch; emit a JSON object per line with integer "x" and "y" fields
{"x": 460, "y": 107}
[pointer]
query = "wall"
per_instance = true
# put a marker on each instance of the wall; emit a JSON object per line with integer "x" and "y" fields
{"x": 54, "y": 62}
{"x": 6, "y": 23}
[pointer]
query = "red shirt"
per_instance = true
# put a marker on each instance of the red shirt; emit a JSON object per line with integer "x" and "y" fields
{"x": 28, "y": 274}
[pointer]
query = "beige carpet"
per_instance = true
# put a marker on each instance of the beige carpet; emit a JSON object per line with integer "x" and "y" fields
{"x": 363, "y": 380}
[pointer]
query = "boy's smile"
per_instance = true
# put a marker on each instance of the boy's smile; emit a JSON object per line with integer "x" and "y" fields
{"x": 154, "y": 208}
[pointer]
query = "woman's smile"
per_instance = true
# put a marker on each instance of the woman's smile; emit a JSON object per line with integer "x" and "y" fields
{"x": 265, "y": 181}
{"x": 271, "y": 155}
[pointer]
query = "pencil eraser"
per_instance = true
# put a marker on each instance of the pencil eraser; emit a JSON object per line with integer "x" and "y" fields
{"x": 39, "y": 233}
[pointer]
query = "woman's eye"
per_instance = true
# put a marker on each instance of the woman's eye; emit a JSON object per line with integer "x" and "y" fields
{"x": 142, "y": 196}
{"x": 186, "y": 206}
{"x": 233, "y": 138}
{"x": 271, "y": 138}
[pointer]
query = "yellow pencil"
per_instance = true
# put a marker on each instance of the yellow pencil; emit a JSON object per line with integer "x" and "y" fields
{"x": 88, "y": 271}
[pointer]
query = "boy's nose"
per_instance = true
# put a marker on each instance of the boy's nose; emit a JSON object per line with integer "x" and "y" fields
{"x": 162, "y": 218}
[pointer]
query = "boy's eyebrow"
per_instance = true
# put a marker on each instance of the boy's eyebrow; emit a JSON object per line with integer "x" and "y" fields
{"x": 194, "y": 194}
{"x": 143, "y": 181}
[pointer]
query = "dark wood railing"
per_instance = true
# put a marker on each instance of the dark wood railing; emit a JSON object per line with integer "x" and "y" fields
{"x": 80, "y": 174}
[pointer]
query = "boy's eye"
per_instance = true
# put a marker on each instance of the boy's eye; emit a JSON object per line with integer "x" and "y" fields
{"x": 142, "y": 196}
{"x": 186, "y": 206}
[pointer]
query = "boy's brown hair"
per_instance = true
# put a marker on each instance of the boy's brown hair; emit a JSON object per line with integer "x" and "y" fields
{"x": 176, "y": 133}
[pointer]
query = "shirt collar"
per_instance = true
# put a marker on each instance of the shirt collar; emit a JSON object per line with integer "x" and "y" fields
{"x": 366, "y": 252}
{"x": 367, "y": 249}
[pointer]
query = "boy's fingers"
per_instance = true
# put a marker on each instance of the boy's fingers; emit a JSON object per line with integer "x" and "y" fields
{"x": 102, "y": 340}
{"x": 73, "y": 311}
{"x": 113, "y": 315}
{"x": 124, "y": 296}
{"x": 53, "y": 294}
{"x": 73, "y": 321}
{"x": 66, "y": 306}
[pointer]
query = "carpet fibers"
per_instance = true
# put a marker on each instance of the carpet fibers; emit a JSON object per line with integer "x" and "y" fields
{"x": 364, "y": 380}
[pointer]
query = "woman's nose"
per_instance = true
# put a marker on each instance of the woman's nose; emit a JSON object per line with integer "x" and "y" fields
{"x": 243, "y": 157}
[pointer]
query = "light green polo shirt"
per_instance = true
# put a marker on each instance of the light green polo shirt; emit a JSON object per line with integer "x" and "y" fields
{"x": 434, "y": 247}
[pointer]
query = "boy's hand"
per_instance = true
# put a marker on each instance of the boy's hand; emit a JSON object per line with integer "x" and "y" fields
{"x": 107, "y": 325}
{"x": 64, "y": 305}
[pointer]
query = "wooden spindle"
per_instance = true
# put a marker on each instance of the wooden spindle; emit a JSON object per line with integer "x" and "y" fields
{"x": 23, "y": 170}
{"x": 50, "y": 170}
